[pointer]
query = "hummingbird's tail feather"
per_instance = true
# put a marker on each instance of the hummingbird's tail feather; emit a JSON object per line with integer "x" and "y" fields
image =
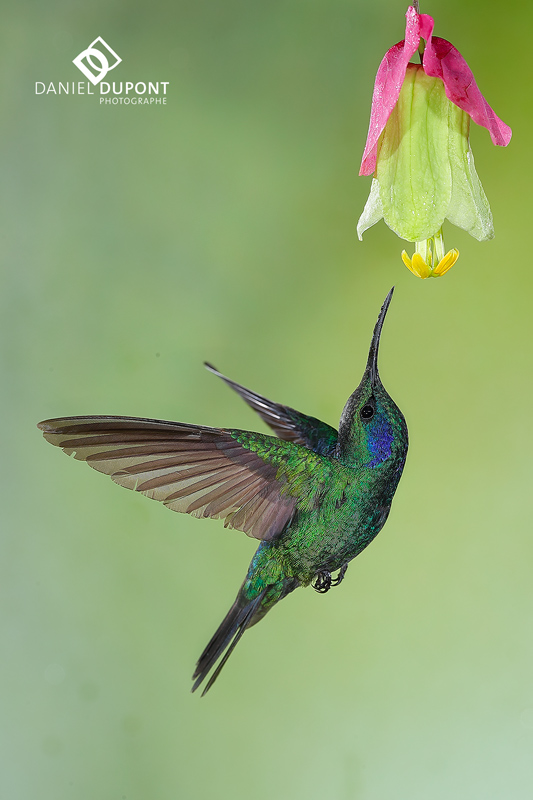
{"x": 237, "y": 620}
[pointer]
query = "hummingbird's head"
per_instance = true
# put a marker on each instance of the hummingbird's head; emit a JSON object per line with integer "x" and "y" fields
{"x": 372, "y": 430}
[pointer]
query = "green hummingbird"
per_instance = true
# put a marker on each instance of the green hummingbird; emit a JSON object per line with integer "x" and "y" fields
{"x": 314, "y": 497}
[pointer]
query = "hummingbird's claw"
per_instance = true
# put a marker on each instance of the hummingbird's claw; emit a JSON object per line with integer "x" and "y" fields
{"x": 322, "y": 582}
{"x": 340, "y": 577}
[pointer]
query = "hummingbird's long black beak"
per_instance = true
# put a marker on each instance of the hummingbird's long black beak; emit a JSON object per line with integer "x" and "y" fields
{"x": 372, "y": 363}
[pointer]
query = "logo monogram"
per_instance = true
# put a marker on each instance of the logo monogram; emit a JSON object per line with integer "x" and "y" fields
{"x": 103, "y": 54}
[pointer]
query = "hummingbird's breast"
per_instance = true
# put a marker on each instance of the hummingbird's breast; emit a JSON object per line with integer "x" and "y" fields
{"x": 332, "y": 534}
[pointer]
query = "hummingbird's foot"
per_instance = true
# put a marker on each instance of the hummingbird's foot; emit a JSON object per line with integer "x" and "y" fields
{"x": 322, "y": 582}
{"x": 340, "y": 576}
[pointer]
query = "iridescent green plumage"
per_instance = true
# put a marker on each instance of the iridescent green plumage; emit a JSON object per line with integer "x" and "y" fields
{"x": 315, "y": 497}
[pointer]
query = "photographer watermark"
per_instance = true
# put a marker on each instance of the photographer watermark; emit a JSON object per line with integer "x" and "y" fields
{"x": 95, "y": 62}
{"x": 95, "y": 72}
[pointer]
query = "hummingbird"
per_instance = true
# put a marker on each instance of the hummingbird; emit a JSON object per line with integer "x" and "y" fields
{"x": 313, "y": 496}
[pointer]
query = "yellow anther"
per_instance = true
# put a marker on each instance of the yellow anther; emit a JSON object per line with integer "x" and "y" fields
{"x": 416, "y": 264}
{"x": 446, "y": 263}
{"x": 421, "y": 269}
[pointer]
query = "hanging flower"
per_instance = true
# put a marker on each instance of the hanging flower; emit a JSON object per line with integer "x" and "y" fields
{"x": 418, "y": 148}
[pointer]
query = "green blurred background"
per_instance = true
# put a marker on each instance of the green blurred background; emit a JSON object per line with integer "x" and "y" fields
{"x": 138, "y": 242}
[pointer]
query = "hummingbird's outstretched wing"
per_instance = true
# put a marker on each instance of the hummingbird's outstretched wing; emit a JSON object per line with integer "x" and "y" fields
{"x": 286, "y": 422}
{"x": 252, "y": 480}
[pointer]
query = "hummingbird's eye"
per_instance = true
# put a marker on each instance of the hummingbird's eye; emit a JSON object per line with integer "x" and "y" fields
{"x": 367, "y": 412}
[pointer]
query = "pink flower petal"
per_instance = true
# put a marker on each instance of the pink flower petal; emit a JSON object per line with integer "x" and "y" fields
{"x": 443, "y": 60}
{"x": 389, "y": 79}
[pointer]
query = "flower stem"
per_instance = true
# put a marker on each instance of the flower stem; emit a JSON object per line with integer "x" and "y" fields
{"x": 416, "y": 6}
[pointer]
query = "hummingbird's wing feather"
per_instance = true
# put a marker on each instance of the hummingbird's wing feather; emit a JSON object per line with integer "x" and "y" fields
{"x": 252, "y": 480}
{"x": 286, "y": 422}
